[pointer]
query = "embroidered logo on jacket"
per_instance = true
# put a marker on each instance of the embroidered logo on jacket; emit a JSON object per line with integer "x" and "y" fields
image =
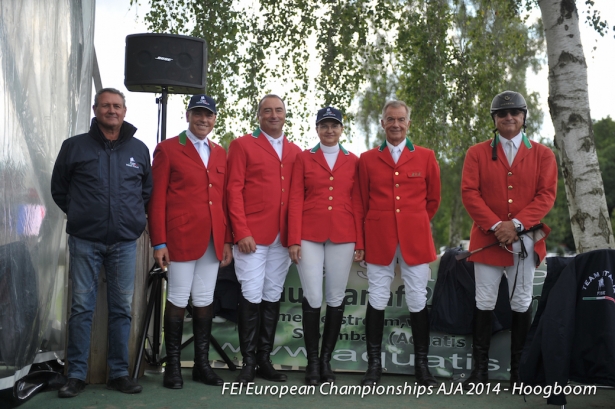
{"x": 133, "y": 164}
{"x": 598, "y": 286}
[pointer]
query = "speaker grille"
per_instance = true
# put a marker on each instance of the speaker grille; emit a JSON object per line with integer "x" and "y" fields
{"x": 154, "y": 61}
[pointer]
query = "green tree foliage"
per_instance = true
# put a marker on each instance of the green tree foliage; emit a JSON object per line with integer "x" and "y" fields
{"x": 316, "y": 50}
{"x": 231, "y": 52}
{"x": 445, "y": 58}
{"x": 325, "y": 52}
{"x": 604, "y": 137}
{"x": 460, "y": 54}
{"x": 451, "y": 223}
{"x": 449, "y": 60}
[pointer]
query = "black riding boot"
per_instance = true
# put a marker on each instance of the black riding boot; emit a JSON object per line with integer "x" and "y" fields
{"x": 201, "y": 324}
{"x": 270, "y": 312}
{"x": 333, "y": 323}
{"x": 311, "y": 334}
{"x": 481, "y": 340}
{"x": 374, "y": 328}
{"x": 521, "y": 323}
{"x": 247, "y": 324}
{"x": 173, "y": 328}
{"x": 420, "y": 333}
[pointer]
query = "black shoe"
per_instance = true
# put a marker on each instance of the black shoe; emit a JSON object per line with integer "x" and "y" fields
{"x": 124, "y": 384}
{"x": 266, "y": 371}
{"x": 312, "y": 373}
{"x": 248, "y": 371}
{"x": 373, "y": 373}
{"x": 72, "y": 388}
{"x": 205, "y": 373}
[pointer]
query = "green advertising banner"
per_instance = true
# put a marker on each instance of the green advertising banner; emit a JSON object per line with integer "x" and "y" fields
{"x": 450, "y": 356}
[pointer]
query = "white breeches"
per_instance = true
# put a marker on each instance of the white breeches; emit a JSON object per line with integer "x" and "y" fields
{"x": 488, "y": 279}
{"x": 326, "y": 260}
{"x": 196, "y": 278}
{"x": 262, "y": 274}
{"x": 414, "y": 277}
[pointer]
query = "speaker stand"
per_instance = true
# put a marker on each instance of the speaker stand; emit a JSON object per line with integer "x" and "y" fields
{"x": 154, "y": 306}
{"x": 162, "y": 114}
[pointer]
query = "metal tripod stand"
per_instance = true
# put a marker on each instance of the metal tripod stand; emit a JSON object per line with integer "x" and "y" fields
{"x": 154, "y": 306}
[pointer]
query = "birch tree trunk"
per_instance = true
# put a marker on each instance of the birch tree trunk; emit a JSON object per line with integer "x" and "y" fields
{"x": 574, "y": 138}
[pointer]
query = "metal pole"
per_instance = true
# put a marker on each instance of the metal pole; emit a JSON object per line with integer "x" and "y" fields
{"x": 163, "y": 122}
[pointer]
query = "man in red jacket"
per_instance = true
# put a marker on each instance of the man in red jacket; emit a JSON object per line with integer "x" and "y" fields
{"x": 189, "y": 231}
{"x": 260, "y": 168}
{"x": 400, "y": 190}
{"x": 509, "y": 184}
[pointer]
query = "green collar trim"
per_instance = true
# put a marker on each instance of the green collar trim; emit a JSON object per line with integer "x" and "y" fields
{"x": 524, "y": 139}
{"x": 256, "y": 133}
{"x": 317, "y": 147}
{"x": 409, "y": 145}
{"x": 182, "y": 138}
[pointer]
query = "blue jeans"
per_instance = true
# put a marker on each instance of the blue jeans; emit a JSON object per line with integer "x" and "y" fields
{"x": 86, "y": 259}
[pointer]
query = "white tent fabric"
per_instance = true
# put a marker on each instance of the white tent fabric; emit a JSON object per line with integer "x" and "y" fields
{"x": 46, "y": 61}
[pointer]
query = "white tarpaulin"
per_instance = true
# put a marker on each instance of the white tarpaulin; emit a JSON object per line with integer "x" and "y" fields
{"x": 46, "y": 58}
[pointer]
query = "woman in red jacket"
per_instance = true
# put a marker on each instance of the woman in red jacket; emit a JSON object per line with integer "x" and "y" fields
{"x": 325, "y": 227}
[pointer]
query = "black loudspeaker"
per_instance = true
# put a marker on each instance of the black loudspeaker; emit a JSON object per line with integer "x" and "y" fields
{"x": 154, "y": 61}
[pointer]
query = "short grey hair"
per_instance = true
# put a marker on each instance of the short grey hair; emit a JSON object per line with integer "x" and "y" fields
{"x": 258, "y": 110}
{"x": 396, "y": 104}
{"x": 110, "y": 91}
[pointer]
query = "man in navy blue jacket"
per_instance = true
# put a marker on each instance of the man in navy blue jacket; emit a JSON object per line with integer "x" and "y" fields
{"x": 102, "y": 181}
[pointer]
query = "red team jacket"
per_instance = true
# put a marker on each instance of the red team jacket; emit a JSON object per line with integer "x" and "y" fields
{"x": 325, "y": 204}
{"x": 399, "y": 201}
{"x": 258, "y": 187}
{"x": 188, "y": 201}
{"x": 493, "y": 190}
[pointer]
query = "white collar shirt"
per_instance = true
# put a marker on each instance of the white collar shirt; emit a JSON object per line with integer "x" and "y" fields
{"x": 201, "y": 146}
{"x": 277, "y": 143}
{"x": 516, "y": 143}
{"x": 396, "y": 150}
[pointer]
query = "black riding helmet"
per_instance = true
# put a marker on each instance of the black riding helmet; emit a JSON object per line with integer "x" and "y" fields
{"x": 507, "y": 100}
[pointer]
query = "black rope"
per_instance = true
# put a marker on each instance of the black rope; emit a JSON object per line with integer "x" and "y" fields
{"x": 494, "y": 151}
{"x": 522, "y": 256}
